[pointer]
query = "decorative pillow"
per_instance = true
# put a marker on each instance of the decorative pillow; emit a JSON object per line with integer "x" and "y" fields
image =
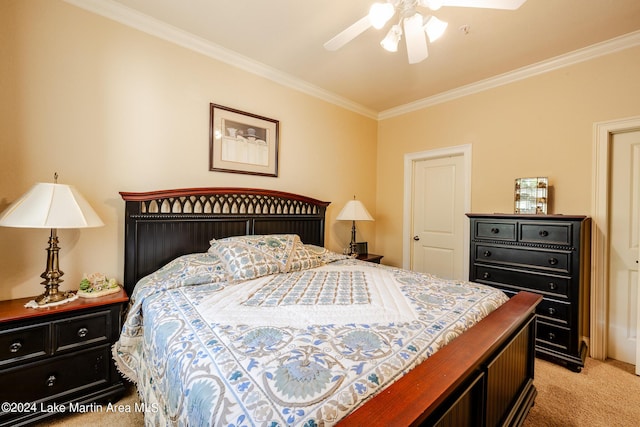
{"x": 186, "y": 270}
{"x": 305, "y": 257}
{"x": 250, "y": 257}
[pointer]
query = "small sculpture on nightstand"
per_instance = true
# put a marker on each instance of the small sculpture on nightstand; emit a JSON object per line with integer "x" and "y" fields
{"x": 96, "y": 285}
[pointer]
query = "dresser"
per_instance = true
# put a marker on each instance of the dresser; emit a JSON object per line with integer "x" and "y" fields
{"x": 54, "y": 359}
{"x": 546, "y": 254}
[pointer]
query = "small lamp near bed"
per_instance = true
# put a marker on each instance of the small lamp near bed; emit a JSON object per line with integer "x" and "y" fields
{"x": 52, "y": 206}
{"x": 354, "y": 211}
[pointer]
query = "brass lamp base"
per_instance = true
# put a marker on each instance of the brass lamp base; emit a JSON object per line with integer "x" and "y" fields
{"x": 53, "y": 295}
{"x": 52, "y": 275}
{"x": 352, "y": 245}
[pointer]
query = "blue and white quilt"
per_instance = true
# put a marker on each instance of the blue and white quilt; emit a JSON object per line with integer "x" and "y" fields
{"x": 267, "y": 331}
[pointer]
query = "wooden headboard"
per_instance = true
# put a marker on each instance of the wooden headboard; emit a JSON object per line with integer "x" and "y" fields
{"x": 163, "y": 225}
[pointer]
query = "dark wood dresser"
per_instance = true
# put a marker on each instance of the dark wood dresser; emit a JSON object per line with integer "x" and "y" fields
{"x": 54, "y": 358}
{"x": 546, "y": 254}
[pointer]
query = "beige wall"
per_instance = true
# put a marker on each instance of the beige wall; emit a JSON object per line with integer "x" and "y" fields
{"x": 112, "y": 109}
{"x": 541, "y": 126}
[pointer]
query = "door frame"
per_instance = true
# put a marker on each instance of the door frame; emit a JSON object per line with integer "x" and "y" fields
{"x": 410, "y": 160}
{"x": 599, "y": 325}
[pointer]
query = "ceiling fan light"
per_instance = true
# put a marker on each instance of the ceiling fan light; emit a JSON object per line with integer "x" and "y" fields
{"x": 435, "y": 28}
{"x": 380, "y": 13}
{"x": 391, "y": 40}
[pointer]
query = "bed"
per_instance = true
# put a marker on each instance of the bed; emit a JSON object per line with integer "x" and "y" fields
{"x": 239, "y": 316}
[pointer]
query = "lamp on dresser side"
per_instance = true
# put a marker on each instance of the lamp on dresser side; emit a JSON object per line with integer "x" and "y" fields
{"x": 52, "y": 206}
{"x": 354, "y": 211}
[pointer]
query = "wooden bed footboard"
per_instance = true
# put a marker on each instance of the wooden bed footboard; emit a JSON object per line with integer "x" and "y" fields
{"x": 482, "y": 378}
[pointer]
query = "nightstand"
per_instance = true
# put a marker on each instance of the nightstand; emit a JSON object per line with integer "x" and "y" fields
{"x": 54, "y": 359}
{"x": 370, "y": 258}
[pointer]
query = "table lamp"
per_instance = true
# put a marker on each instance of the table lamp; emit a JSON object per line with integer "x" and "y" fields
{"x": 354, "y": 211}
{"x": 52, "y": 206}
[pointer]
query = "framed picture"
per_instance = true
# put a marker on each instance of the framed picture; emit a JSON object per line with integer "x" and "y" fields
{"x": 241, "y": 142}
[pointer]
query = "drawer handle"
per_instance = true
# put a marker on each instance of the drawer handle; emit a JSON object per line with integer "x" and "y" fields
{"x": 495, "y": 230}
{"x": 82, "y": 332}
{"x": 552, "y": 336}
{"x": 51, "y": 381}
{"x": 553, "y": 261}
{"x": 15, "y": 347}
{"x": 543, "y": 233}
{"x": 487, "y": 253}
{"x": 486, "y": 275}
{"x": 551, "y": 311}
{"x": 553, "y": 286}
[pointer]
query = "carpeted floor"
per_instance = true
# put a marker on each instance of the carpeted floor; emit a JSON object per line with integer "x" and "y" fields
{"x": 122, "y": 414}
{"x": 604, "y": 394}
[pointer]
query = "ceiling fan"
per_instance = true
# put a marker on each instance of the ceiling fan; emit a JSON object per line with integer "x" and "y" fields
{"x": 417, "y": 27}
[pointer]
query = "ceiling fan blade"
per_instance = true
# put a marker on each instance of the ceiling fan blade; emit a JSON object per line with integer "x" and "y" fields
{"x": 415, "y": 38}
{"x": 348, "y": 34}
{"x": 486, "y": 4}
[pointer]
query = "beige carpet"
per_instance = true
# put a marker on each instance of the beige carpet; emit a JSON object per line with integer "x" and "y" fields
{"x": 604, "y": 394}
{"x": 103, "y": 418}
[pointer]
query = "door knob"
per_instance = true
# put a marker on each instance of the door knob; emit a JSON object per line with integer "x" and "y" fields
{"x": 416, "y": 238}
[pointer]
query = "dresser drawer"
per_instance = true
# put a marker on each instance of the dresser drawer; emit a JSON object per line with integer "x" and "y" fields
{"x": 547, "y": 233}
{"x": 554, "y": 337}
{"x": 522, "y": 280}
{"x": 495, "y": 230}
{"x": 547, "y": 309}
{"x": 548, "y": 260}
{"x": 555, "y": 310}
{"x": 56, "y": 376}
{"x": 81, "y": 330}
{"x": 24, "y": 342}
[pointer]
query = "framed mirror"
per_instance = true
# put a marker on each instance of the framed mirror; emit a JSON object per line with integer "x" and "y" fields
{"x": 531, "y": 195}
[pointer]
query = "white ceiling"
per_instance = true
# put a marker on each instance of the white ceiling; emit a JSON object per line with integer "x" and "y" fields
{"x": 284, "y": 40}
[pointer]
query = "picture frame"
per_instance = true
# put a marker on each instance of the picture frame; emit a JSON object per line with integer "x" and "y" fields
{"x": 531, "y": 195}
{"x": 241, "y": 142}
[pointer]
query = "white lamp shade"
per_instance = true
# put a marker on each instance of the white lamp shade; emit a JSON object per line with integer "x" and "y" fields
{"x": 354, "y": 210}
{"x": 380, "y": 13}
{"x": 391, "y": 40}
{"x": 48, "y": 205}
{"x": 435, "y": 28}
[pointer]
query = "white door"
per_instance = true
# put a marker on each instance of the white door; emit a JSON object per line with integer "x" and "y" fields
{"x": 438, "y": 217}
{"x": 624, "y": 220}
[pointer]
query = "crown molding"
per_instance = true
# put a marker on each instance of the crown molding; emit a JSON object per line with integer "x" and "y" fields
{"x": 132, "y": 18}
{"x": 594, "y": 51}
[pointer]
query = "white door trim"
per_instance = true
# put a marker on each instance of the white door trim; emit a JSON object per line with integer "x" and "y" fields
{"x": 409, "y": 161}
{"x": 602, "y": 132}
